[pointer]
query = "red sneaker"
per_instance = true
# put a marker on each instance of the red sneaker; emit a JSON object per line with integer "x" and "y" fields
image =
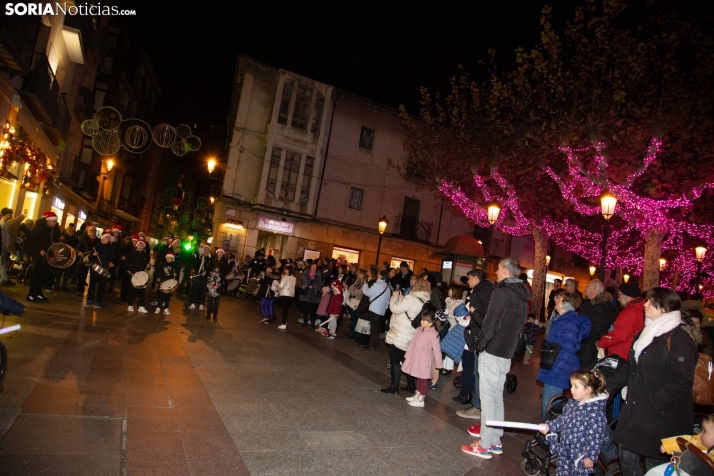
{"x": 475, "y": 431}
{"x": 476, "y": 450}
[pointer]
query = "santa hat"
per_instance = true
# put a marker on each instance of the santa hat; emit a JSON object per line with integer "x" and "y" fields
{"x": 221, "y": 250}
{"x": 50, "y": 215}
{"x": 336, "y": 283}
{"x": 106, "y": 232}
{"x": 205, "y": 245}
{"x": 116, "y": 228}
{"x": 170, "y": 254}
{"x": 142, "y": 242}
{"x": 135, "y": 236}
{"x": 174, "y": 241}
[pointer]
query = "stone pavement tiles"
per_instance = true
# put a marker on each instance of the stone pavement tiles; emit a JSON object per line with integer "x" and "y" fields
{"x": 102, "y": 391}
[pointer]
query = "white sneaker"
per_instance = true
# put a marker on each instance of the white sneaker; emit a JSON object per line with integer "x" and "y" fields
{"x": 166, "y": 312}
{"x": 143, "y": 310}
{"x": 130, "y": 309}
{"x": 413, "y": 397}
{"x": 200, "y": 308}
{"x": 192, "y": 306}
{"x": 301, "y": 321}
{"x": 282, "y": 327}
{"x": 419, "y": 402}
{"x": 318, "y": 322}
{"x": 158, "y": 310}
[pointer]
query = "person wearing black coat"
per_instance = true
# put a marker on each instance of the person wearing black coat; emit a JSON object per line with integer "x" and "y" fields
{"x": 42, "y": 236}
{"x": 659, "y": 375}
{"x": 204, "y": 265}
{"x": 138, "y": 259}
{"x": 122, "y": 257}
{"x": 69, "y": 238}
{"x": 170, "y": 270}
{"x": 84, "y": 249}
{"x": 103, "y": 254}
{"x": 598, "y": 307}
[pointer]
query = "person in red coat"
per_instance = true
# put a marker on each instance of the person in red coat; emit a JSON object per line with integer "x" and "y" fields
{"x": 628, "y": 324}
{"x": 334, "y": 307}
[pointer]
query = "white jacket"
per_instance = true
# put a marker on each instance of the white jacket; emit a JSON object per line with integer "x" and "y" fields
{"x": 452, "y": 304}
{"x": 286, "y": 287}
{"x": 404, "y": 309}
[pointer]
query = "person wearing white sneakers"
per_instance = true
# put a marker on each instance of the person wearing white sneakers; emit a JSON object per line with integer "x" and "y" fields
{"x": 170, "y": 270}
{"x": 137, "y": 260}
{"x": 423, "y": 353}
{"x": 286, "y": 291}
{"x": 198, "y": 286}
{"x": 502, "y": 324}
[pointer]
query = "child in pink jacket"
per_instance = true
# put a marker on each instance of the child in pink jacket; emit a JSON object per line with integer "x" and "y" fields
{"x": 423, "y": 354}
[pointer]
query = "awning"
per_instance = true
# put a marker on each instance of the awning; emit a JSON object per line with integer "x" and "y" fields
{"x": 462, "y": 245}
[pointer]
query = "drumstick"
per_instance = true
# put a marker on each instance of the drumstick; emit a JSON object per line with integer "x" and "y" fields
{"x": 515, "y": 424}
{"x": 330, "y": 319}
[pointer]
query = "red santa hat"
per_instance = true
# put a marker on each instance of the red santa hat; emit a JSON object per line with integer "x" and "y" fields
{"x": 205, "y": 245}
{"x": 170, "y": 254}
{"x": 135, "y": 236}
{"x": 336, "y": 283}
{"x": 116, "y": 228}
{"x": 106, "y": 232}
{"x": 50, "y": 215}
{"x": 142, "y": 242}
{"x": 175, "y": 241}
{"x": 220, "y": 250}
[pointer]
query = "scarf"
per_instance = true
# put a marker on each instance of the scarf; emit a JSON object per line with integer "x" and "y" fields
{"x": 653, "y": 328}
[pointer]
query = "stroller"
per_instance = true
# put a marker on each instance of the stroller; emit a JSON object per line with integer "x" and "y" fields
{"x": 538, "y": 461}
{"x": 248, "y": 289}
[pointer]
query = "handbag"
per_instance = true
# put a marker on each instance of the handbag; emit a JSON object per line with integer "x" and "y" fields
{"x": 549, "y": 353}
{"x": 521, "y": 345}
{"x": 366, "y": 301}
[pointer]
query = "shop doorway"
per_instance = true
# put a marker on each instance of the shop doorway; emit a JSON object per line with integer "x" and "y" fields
{"x": 273, "y": 243}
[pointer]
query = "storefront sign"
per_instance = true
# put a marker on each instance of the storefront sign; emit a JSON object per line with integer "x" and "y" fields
{"x": 310, "y": 254}
{"x": 82, "y": 215}
{"x": 58, "y": 203}
{"x": 276, "y": 226}
{"x": 345, "y": 255}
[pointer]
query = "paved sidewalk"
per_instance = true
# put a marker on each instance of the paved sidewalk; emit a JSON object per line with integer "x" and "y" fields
{"x": 104, "y": 391}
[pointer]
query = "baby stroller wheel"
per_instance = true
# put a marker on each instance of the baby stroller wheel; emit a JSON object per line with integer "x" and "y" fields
{"x": 527, "y": 469}
{"x": 457, "y": 382}
{"x": 389, "y": 365}
{"x": 511, "y": 383}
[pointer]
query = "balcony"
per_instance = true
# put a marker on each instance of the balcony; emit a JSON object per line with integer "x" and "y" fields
{"x": 127, "y": 206}
{"x": 410, "y": 228}
{"x": 59, "y": 129}
{"x": 70, "y": 170}
{"x": 40, "y": 90}
{"x": 84, "y": 106}
{"x": 88, "y": 185}
{"x": 18, "y": 35}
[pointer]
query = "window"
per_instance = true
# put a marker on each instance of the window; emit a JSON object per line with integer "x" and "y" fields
{"x": 307, "y": 178}
{"x": 302, "y": 107}
{"x": 285, "y": 103}
{"x": 273, "y": 171}
{"x": 366, "y": 138}
{"x": 355, "y": 202}
{"x": 290, "y": 176}
{"x": 317, "y": 113}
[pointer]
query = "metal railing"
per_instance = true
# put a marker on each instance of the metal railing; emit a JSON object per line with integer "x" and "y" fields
{"x": 42, "y": 85}
{"x": 411, "y": 228}
{"x": 18, "y": 34}
{"x": 70, "y": 169}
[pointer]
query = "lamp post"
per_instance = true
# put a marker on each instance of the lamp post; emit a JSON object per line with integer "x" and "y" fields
{"x": 545, "y": 284}
{"x": 381, "y": 227}
{"x": 608, "y": 202}
{"x": 593, "y": 268}
{"x": 493, "y": 209}
{"x": 700, "y": 252}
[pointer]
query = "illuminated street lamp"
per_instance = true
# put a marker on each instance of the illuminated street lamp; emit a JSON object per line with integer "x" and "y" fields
{"x": 593, "y": 268}
{"x": 608, "y": 203}
{"x": 211, "y": 165}
{"x": 110, "y": 165}
{"x": 700, "y": 251}
{"x": 625, "y": 277}
{"x": 493, "y": 210}
{"x": 547, "y": 261}
{"x": 381, "y": 227}
{"x": 212, "y": 199}
{"x": 662, "y": 263}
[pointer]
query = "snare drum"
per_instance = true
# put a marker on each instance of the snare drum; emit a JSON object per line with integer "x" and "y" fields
{"x": 101, "y": 271}
{"x": 61, "y": 255}
{"x": 140, "y": 279}
{"x": 169, "y": 286}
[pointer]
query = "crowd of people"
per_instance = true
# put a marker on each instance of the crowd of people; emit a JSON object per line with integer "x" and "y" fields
{"x": 618, "y": 353}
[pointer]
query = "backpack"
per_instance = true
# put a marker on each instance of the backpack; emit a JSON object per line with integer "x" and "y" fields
{"x": 703, "y": 386}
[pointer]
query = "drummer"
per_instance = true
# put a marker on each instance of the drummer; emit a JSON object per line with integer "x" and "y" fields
{"x": 104, "y": 256}
{"x": 136, "y": 261}
{"x": 84, "y": 249}
{"x": 126, "y": 250}
{"x": 198, "y": 288}
{"x": 42, "y": 236}
{"x": 169, "y": 270}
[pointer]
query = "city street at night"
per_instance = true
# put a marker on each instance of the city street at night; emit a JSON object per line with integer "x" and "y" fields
{"x": 96, "y": 392}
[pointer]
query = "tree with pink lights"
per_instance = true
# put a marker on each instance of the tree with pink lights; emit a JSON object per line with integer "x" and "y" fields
{"x": 601, "y": 107}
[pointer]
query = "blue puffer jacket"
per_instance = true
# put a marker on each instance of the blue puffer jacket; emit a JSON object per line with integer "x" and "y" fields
{"x": 568, "y": 330}
{"x": 453, "y": 344}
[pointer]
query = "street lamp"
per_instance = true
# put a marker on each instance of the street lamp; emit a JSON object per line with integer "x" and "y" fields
{"x": 547, "y": 261}
{"x": 700, "y": 252}
{"x": 545, "y": 284}
{"x": 593, "y": 268}
{"x": 625, "y": 277}
{"x": 381, "y": 227}
{"x": 493, "y": 209}
{"x": 608, "y": 202}
{"x": 662, "y": 263}
{"x": 211, "y": 165}
{"x": 212, "y": 199}
{"x": 110, "y": 165}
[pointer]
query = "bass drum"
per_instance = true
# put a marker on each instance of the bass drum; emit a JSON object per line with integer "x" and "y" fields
{"x": 61, "y": 255}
